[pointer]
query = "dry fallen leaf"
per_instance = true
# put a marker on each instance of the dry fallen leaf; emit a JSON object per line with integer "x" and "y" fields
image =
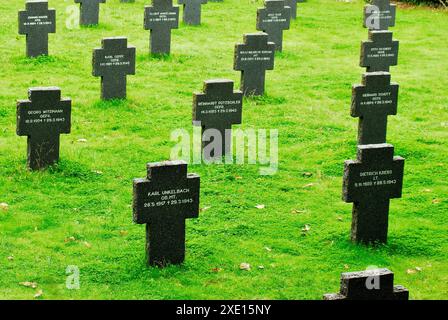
{"x": 346, "y": 266}
{"x": 123, "y": 233}
{"x": 260, "y": 206}
{"x": 411, "y": 271}
{"x": 306, "y": 228}
{"x": 296, "y": 211}
{"x": 11, "y": 258}
{"x": 427, "y": 190}
{"x": 88, "y": 245}
{"x": 38, "y": 294}
{"x": 307, "y": 174}
{"x": 418, "y": 269}
{"x": 70, "y": 239}
{"x": 261, "y": 267}
{"x": 98, "y": 172}
{"x": 340, "y": 219}
{"x": 82, "y": 140}
{"x": 238, "y": 178}
{"x": 436, "y": 201}
{"x": 245, "y": 266}
{"x": 216, "y": 270}
{"x": 29, "y": 284}
{"x": 205, "y": 208}
{"x": 309, "y": 185}
{"x": 4, "y": 206}
{"x": 267, "y": 249}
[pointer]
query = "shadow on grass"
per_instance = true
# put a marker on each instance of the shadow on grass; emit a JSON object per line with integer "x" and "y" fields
{"x": 37, "y": 61}
{"x": 171, "y": 58}
{"x": 265, "y": 100}
{"x": 113, "y": 103}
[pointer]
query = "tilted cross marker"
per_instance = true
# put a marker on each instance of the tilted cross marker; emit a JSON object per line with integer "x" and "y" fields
{"x": 160, "y": 18}
{"x": 90, "y": 11}
{"x": 113, "y": 62}
{"x": 273, "y": 19}
{"x": 379, "y": 15}
{"x": 373, "y": 101}
{"x": 37, "y": 21}
{"x": 216, "y": 110}
{"x": 370, "y": 182}
{"x": 253, "y": 58}
{"x": 43, "y": 117}
{"x": 163, "y": 201}
{"x": 377, "y": 284}
{"x": 379, "y": 52}
{"x": 192, "y": 11}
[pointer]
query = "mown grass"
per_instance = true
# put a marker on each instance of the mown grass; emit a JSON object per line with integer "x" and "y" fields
{"x": 79, "y": 213}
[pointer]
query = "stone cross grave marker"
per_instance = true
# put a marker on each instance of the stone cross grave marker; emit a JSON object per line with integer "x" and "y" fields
{"x": 160, "y": 18}
{"x": 216, "y": 110}
{"x": 370, "y": 182}
{"x": 90, "y": 11}
{"x": 43, "y": 117}
{"x": 377, "y": 284}
{"x": 293, "y": 5}
{"x": 192, "y": 11}
{"x": 163, "y": 201}
{"x": 273, "y": 19}
{"x": 37, "y": 21}
{"x": 253, "y": 58}
{"x": 373, "y": 101}
{"x": 113, "y": 62}
{"x": 379, "y": 52}
{"x": 379, "y": 15}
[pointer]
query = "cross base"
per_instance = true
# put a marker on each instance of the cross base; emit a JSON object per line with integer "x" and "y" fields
{"x": 370, "y": 221}
{"x": 36, "y": 46}
{"x": 160, "y": 41}
{"x": 42, "y": 151}
{"x": 113, "y": 87}
{"x": 165, "y": 241}
{"x": 216, "y": 143}
{"x": 252, "y": 83}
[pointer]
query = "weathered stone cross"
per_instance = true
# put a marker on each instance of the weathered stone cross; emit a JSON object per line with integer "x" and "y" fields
{"x": 379, "y": 15}
{"x": 162, "y": 201}
{"x": 377, "y": 284}
{"x": 273, "y": 19}
{"x": 90, "y": 11}
{"x": 113, "y": 62}
{"x": 370, "y": 182}
{"x": 216, "y": 110}
{"x": 253, "y": 58}
{"x": 43, "y": 117}
{"x": 37, "y": 21}
{"x": 160, "y": 18}
{"x": 373, "y": 101}
{"x": 379, "y": 52}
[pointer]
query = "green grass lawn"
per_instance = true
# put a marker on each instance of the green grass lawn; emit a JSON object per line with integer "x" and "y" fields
{"x": 79, "y": 212}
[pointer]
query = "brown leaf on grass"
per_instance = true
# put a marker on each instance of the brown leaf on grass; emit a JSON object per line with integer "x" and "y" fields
{"x": 11, "y": 258}
{"x": 260, "y": 206}
{"x": 238, "y": 178}
{"x": 82, "y": 140}
{"x": 309, "y": 185}
{"x": 297, "y": 211}
{"x": 307, "y": 174}
{"x": 38, "y": 294}
{"x": 70, "y": 239}
{"x": 411, "y": 271}
{"x": 306, "y": 228}
{"x": 346, "y": 266}
{"x": 204, "y": 208}
{"x": 29, "y": 284}
{"x": 123, "y": 233}
{"x": 216, "y": 270}
{"x": 436, "y": 201}
{"x": 261, "y": 267}
{"x": 98, "y": 172}
{"x": 245, "y": 266}
{"x": 88, "y": 245}
{"x": 4, "y": 206}
{"x": 267, "y": 249}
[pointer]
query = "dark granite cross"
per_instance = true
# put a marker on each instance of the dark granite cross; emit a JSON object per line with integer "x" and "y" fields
{"x": 370, "y": 182}
{"x": 90, "y": 11}
{"x": 160, "y": 18}
{"x": 253, "y": 58}
{"x": 216, "y": 110}
{"x": 379, "y": 52}
{"x": 379, "y": 15}
{"x": 113, "y": 62}
{"x": 163, "y": 201}
{"x": 373, "y": 101}
{"x": 43, "y": 117}
{"x": 377, "y": 284}
{"x": 37, "y": 21}
{"x": 192, "y": 11}
{"x": 293, "y": 5}
{"x": 273, "y": 19}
